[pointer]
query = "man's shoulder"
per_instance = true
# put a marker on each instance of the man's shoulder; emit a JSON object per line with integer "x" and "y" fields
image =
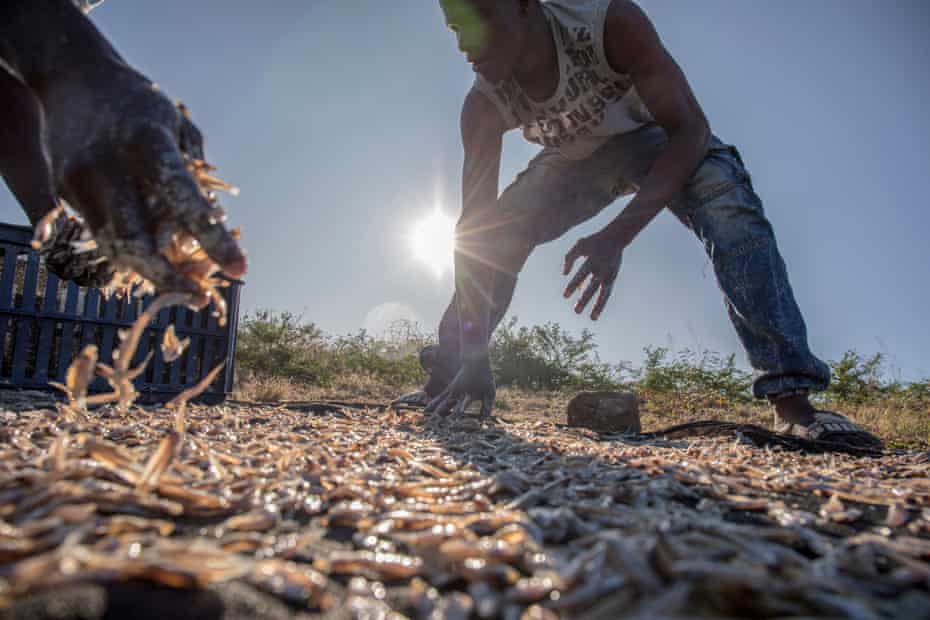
{"x": 625, "y": 14}
{"x": 630, "y": 37}
{"x": 492, "y": 102}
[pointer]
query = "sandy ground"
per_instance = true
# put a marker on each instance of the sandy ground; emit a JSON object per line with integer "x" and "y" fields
{"x": 326, "y": 510}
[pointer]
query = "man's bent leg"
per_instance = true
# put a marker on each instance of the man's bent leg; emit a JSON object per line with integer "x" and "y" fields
{"x": 722, "y": 208}
{"x": 445, "y": 363}
{"x": 550, "y": 197}
{"x": 505, "y": 244}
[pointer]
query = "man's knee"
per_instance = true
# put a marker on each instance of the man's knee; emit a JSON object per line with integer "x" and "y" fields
{"x": 732, "y": 224}
{"x": 497, "y": 238}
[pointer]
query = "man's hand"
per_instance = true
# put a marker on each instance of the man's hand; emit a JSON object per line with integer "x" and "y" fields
{"x": 473, "y": 382}
{"x": 603, "y": 254}
{"x": 83, "y": 268}
{"x": 97, "y": 133}
{"x": 133, "y": 187}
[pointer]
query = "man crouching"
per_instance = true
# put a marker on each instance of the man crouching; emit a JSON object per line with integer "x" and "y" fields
{"x": 591, "y": 82}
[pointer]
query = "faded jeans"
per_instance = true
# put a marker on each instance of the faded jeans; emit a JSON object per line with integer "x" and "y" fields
{"x": 554, "y": 194}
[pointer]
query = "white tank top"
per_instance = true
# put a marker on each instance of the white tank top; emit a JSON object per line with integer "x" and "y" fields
{"x": 592, "y": 101}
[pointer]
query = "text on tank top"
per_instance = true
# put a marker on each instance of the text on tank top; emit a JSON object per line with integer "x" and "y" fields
{"x": 592, "y": 101}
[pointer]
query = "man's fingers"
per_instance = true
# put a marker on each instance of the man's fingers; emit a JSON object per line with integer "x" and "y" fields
{"x": 170, "y": 184}
{"x": 593, "y": 286}
{"x": 443, "y": 403}
{"x": 439, "y": 400}
{"x": 573, "y": 255}
{"x": 487, "y": 404}
{"x": 445, "y": 407}
{"x": 217, "y": 241}
{"x": 606, "y": 289}
{"x": 462, "y": 406}
{"x": 190, "y": 140}
{"x": 578, "y": 250}
{"x": 101, "y": 192}
{"x": 199, "y": 217}
{"x": 578, "y": 280}
{"x": 139, "y": 255}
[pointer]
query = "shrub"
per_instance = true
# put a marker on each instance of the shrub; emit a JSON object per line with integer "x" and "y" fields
{"x": 281, "y": 344}
{"x": 857, "y": 379}
{"x": 539, "y": 358}
{"x": 689, "y": 372}
{"x": 547, "y": 358}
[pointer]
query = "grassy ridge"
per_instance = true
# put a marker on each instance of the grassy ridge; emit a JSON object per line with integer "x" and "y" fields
{"x": 538, "y": 368}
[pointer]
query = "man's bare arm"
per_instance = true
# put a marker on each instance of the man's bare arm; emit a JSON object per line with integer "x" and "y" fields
{"x": 482, "y": 133}
{"x": 482, "y": 138}
{"x": 95, "y": 132}
{"x": 633, "y": 47}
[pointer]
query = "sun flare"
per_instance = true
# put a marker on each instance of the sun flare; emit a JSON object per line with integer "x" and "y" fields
{"x": 432, "y": 240}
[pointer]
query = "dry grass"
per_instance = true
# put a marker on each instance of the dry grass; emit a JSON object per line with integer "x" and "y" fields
{"x": 353, "y": 387}
{"x": 901, "y": 424}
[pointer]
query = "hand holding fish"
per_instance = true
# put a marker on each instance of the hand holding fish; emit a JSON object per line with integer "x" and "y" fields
{"x": 98, "y": 134}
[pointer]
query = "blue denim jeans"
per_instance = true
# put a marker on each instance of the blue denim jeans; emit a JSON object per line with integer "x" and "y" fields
{"x": 554, "y": 194}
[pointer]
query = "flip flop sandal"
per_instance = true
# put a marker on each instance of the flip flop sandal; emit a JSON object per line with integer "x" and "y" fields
{"x": 413, "y": 399}
{"x": 834, "y": 428}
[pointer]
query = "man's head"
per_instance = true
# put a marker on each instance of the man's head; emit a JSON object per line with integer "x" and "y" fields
{"x": 491, "y": 33}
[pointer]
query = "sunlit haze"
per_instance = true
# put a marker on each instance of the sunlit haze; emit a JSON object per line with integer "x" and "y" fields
{"x": 340, "y": 123}
{"x": 433, "y": 242}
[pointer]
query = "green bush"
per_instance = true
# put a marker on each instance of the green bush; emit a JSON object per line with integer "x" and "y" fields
{"x": 857, "y": 379}
{"x": 547, "y": 358}
{"x": 536, "y": 358}
{"x": 281, "y": 344}
{"x": 689, "y": 372}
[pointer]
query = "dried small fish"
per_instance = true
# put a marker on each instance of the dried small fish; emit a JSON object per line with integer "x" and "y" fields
{"x": 296, "y": 584}
{"x": 254, "y": 521}
{"x": 416, "y": 517}
{"x": 370, "y": 564}
{"x": 171, "y": 347}
{"x": 898, "y": 516}
{"x": 181, "y": 399}
{"x": 45, "y": 227}
{"x": 834, "y": 510}
{"x": 158, "y": 463}
{"x": 78, "y": 377}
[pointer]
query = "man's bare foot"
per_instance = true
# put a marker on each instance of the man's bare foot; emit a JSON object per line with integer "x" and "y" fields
{"x": 795, "y": 415}
{"x": 796, "y": 409}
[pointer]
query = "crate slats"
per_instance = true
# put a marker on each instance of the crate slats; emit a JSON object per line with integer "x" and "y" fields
{"x": 174, "y": 371}
{"x": 44, "y": 353}
{"x": 20, "y": 349}
{"x": 42, "y": 330}
{"x": 10, "y": 255}
{"x": 193, "y": 349}
{"x": 50, "y": 302}
{"x": 30, "y": 283}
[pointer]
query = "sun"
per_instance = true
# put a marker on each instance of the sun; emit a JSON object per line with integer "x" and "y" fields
{"x": 432, "y": 241}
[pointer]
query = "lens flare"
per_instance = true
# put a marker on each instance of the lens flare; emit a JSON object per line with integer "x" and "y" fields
{"x": 432, "y": 241}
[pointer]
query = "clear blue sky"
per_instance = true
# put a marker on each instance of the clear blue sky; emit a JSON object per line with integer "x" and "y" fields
{"x": 339, "y": 121}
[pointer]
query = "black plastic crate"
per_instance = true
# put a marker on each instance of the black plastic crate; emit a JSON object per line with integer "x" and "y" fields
{"x": 45, "y": 322}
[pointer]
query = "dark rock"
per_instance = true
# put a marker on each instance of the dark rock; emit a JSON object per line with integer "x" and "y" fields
{"x": 606, "y": 412}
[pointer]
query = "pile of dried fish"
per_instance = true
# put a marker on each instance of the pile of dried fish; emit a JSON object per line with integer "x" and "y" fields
{"x": 382, "y": 513}
{"x": 183, "y": 251}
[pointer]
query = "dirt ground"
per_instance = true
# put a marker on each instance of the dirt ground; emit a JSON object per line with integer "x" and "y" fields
{"x": 351, "y": 510}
